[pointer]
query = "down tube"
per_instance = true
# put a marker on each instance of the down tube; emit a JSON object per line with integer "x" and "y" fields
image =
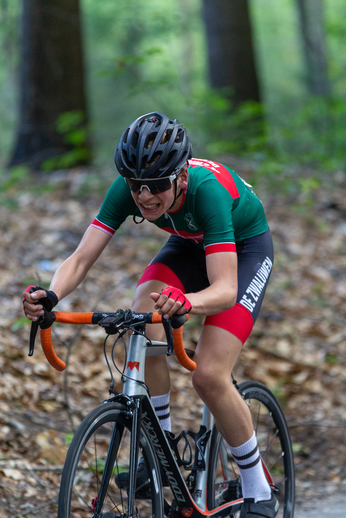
{"x": 164, "y": 454}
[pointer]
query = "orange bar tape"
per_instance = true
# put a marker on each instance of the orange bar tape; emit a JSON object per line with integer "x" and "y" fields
{"x": 180, "y": 352}
{"x": 73, "y": 318}
{"x": 47, "y": 346}
{"x": 156, "y": 318}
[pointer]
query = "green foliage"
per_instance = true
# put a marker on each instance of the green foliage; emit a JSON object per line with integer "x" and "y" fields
{"x": 143, "y": 57}
{"x": 14, "y": 177}
{"x": 68, "y": 438}
{"x": 314, "y": 134}
{"x": 11, "y": 182}
{"x": 297, "y": 447}
{"x": 9, "y": 50}
{"x": 123, "y": 65}
{"x": 279, "y": 392}
{"x": 75, "y": 132}
{"x": 332, "y": 359}
{"x": 19, "y": 323}
{"x": 242, "y": 131}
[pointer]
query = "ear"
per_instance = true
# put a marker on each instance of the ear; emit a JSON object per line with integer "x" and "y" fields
{"x": 183, "y": 179}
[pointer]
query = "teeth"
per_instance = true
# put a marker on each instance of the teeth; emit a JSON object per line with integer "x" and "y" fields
{"x": 153, "y": 206}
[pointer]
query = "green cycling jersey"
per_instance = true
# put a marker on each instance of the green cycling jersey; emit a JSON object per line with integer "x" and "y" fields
{"x": 218, "y": 208}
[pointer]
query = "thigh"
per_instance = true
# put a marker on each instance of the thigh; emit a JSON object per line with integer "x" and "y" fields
{"x": 217, "y": 351}
{"x": 255, "y": 260}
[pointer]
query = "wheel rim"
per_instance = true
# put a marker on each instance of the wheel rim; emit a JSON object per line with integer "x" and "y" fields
{"x": 275, "y": 449}
{"x": 272, "y": 451}
{"x": 89, "y": 470}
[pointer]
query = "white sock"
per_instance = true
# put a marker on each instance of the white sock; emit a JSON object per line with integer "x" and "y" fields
{"x": 161, "y": 405}
{"x": 254, "y": 481}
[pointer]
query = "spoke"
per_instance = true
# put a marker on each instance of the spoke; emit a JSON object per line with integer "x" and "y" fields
{"x": 279, "y": 457}
{"x": 81, "y": 498}
{"x": 271, "y": 441}
{"x": 94, "y": 468}
{"x": 268, "y": 436}
{"x": 122, "y": 500}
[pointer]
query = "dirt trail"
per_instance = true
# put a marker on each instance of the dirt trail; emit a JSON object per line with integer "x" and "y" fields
{"x": 298, "y": 346}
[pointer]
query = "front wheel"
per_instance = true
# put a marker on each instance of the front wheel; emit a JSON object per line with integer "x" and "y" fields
{"x": 99, "y": 451}
{"x": 275, "y": 447}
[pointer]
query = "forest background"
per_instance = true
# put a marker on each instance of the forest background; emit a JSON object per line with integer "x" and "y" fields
{"x": 289, "y": 143}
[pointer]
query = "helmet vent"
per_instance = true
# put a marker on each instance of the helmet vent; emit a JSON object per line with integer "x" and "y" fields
{"x": 126, "y": 135}
{"x": 180, "y": 136}
{"x": 166, "y": 136}
{"x": 150, "y": 140}
{"x": 134, "y": 140}
{"x": 134, "y": 160}
{"x": 170, "y": 158}
{"x": 156, "y": 158}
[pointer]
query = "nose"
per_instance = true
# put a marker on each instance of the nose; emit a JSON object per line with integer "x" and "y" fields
{"x": 144, "y": 193}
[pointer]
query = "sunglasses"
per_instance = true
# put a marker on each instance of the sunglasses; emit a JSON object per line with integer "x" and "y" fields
{"x": 154, "y": 185}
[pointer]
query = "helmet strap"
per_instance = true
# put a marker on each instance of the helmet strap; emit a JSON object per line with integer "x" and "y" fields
{"x": 176, "y": 196}
{"x": 139, "y": 221}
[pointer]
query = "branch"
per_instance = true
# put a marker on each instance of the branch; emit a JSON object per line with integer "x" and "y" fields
{"x": 34, "y": 509}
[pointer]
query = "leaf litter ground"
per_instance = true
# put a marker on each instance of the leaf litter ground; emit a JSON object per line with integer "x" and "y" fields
{"x": 297, "y": 348}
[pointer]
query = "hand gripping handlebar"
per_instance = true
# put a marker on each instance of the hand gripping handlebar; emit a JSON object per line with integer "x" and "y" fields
{"x": 95, "y": 318}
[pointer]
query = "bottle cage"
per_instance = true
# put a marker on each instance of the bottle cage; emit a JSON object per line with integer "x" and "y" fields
{"x": 200, "y": 440}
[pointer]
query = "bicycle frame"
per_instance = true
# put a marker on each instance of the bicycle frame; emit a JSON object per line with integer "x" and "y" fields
{"x": 134, "y": 389}
{"x": 191, "y": 499}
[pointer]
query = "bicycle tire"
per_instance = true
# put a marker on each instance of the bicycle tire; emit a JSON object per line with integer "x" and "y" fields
{"x": 83, "y": 470}
{"x": 275, "y": 447}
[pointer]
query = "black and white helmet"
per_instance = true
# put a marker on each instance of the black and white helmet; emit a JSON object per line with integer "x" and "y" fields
{"x": 151, "y": 147}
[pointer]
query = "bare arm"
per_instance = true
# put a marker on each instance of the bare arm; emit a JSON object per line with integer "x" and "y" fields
{"x": 72, "y": 271}
{"x": 219, "y": 296}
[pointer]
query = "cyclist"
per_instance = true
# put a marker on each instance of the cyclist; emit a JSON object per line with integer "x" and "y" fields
{"x": 216, "y": 263}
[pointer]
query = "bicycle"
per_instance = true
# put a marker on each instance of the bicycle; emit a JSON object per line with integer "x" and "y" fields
{"x": 108, "y": 440}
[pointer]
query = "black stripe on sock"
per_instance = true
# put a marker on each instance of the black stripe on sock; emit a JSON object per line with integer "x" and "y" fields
{"x": 251, "y": 465}
{"x": 247, "y": 456}
{"x": 165, "y": 416}
{"x": 164, "y": 407}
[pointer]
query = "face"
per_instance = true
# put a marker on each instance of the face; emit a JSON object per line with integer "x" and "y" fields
{"x": 152, "y": 206}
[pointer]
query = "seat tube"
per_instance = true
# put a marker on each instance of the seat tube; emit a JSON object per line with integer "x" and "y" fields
{"x": 202, "y": 476}
{"x": 135, "y": 367}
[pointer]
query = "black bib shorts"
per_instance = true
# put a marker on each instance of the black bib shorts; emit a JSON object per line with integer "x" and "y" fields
{"x": 182, "y": 264}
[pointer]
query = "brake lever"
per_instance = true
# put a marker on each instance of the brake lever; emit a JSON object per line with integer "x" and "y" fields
{"x": 167, "y": 325}
{"x": 33, "y": 333}
{"x": 33, "y": 330}
{"x": 43, "y": 321}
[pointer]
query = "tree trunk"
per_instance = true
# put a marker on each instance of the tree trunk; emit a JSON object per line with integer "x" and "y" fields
{"x": 51, "y": 82}
{"x": 230, "y": 48}
{"x": 314, "y": 45}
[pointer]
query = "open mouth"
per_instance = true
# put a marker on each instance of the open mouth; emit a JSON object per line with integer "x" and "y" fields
{"x": 152, "y": 207}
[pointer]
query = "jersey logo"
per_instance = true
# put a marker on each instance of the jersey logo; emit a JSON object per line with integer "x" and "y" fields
{"x": 255, "y": 288}
{"x": 133, "y": 365}
{"x": 189, "y": 222}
